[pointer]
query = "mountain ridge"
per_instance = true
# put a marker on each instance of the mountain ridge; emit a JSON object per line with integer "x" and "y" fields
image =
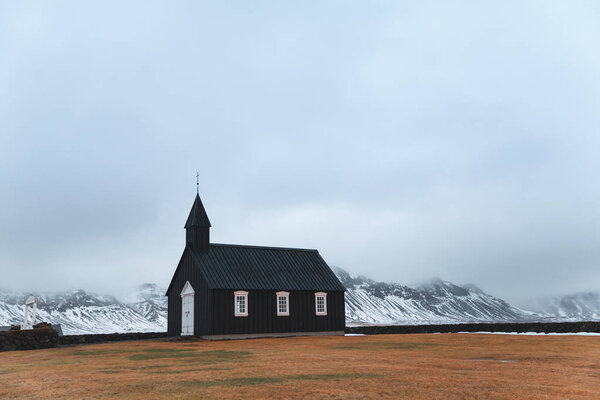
{"x": 437, "y": 301}
{"x": 571, "y": 307}
{"x": 367, "y": 302}
{"x": 81, "y": 312}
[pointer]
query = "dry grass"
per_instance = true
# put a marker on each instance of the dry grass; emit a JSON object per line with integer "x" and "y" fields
{"x": 446, "y": 366}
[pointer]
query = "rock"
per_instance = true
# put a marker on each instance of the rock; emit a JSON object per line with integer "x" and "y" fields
{"x": 28, "y": 339}
{"x": 42, "y": 325}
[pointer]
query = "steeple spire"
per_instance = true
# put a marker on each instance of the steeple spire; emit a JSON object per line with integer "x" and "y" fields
{"x": 197, "y": 226}
{"x": 198, "y": 216}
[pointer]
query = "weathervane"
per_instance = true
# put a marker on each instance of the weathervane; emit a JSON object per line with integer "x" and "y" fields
{"x": 197, "y": 182}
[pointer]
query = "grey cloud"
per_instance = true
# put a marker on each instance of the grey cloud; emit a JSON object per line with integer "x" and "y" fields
{"x": 403, "y": 141}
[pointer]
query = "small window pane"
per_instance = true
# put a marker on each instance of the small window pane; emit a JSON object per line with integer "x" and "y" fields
{"x": 282, "y": 304}
{"x": 240, "y": 304}
{"x": 320, "y": 304}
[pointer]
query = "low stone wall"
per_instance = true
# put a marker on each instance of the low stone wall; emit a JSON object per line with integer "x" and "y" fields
{"x": 45, "y": 337}
{"x": 520, "y": 327}
{"x": 41, "y": 338}
{"x": 109, "y": 337}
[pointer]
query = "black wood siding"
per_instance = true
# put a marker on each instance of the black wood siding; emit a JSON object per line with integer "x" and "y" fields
{"x": 198, "y": 237}
{"x": 187, "y": 270}
{"x": 262, "y": 313}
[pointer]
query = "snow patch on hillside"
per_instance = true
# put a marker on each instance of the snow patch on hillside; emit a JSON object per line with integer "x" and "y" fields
{"x": 79, "y": 312}
{"x": 438, "y": 301}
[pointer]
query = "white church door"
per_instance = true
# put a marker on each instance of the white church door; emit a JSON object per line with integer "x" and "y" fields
{"x": 187, "y": 310}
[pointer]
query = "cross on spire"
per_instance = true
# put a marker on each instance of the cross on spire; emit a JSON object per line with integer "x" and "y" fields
{"x": 197, "y": 182}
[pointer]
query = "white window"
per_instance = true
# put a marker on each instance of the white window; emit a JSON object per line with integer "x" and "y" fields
{"x": 240, "y": 303}
{"x": 283, "y": 304}
{"x": 321, "y": 303}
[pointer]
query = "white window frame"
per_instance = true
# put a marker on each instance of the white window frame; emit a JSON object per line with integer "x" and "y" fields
{"x": 244, "y": 294}
{"x": 286, "y": 296}
{"x": 324, "y": 296}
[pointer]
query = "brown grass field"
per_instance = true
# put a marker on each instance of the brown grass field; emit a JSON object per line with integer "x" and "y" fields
{"x": 443, "y": 366}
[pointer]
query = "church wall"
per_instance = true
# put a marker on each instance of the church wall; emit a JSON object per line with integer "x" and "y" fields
{"x": 262, "y": 313}
{"x": 188, "y": 271}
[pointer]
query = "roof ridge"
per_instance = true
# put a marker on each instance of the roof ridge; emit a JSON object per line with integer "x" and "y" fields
{"x": 261, "y": 247}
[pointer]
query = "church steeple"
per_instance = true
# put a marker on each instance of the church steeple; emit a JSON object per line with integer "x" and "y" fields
{"x": 197, "y": 226}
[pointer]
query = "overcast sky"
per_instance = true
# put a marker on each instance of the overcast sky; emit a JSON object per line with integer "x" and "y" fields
{"x": 404, "y": 140}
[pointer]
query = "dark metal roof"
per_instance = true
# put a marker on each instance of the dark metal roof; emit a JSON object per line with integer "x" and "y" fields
{"x": 198, "y": 216}
{"x": 228, "y": 266}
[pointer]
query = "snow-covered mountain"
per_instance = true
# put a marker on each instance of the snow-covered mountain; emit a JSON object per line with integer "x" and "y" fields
{"x": 367, "y": 302}
{"x": 576, "y": 307}
{"x": 79, "y": 312}
{"x": 438, "y": 301}
{"x": 151, "y": 303}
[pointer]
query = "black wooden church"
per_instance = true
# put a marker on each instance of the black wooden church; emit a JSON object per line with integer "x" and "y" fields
{"x": 234, "y": 291}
